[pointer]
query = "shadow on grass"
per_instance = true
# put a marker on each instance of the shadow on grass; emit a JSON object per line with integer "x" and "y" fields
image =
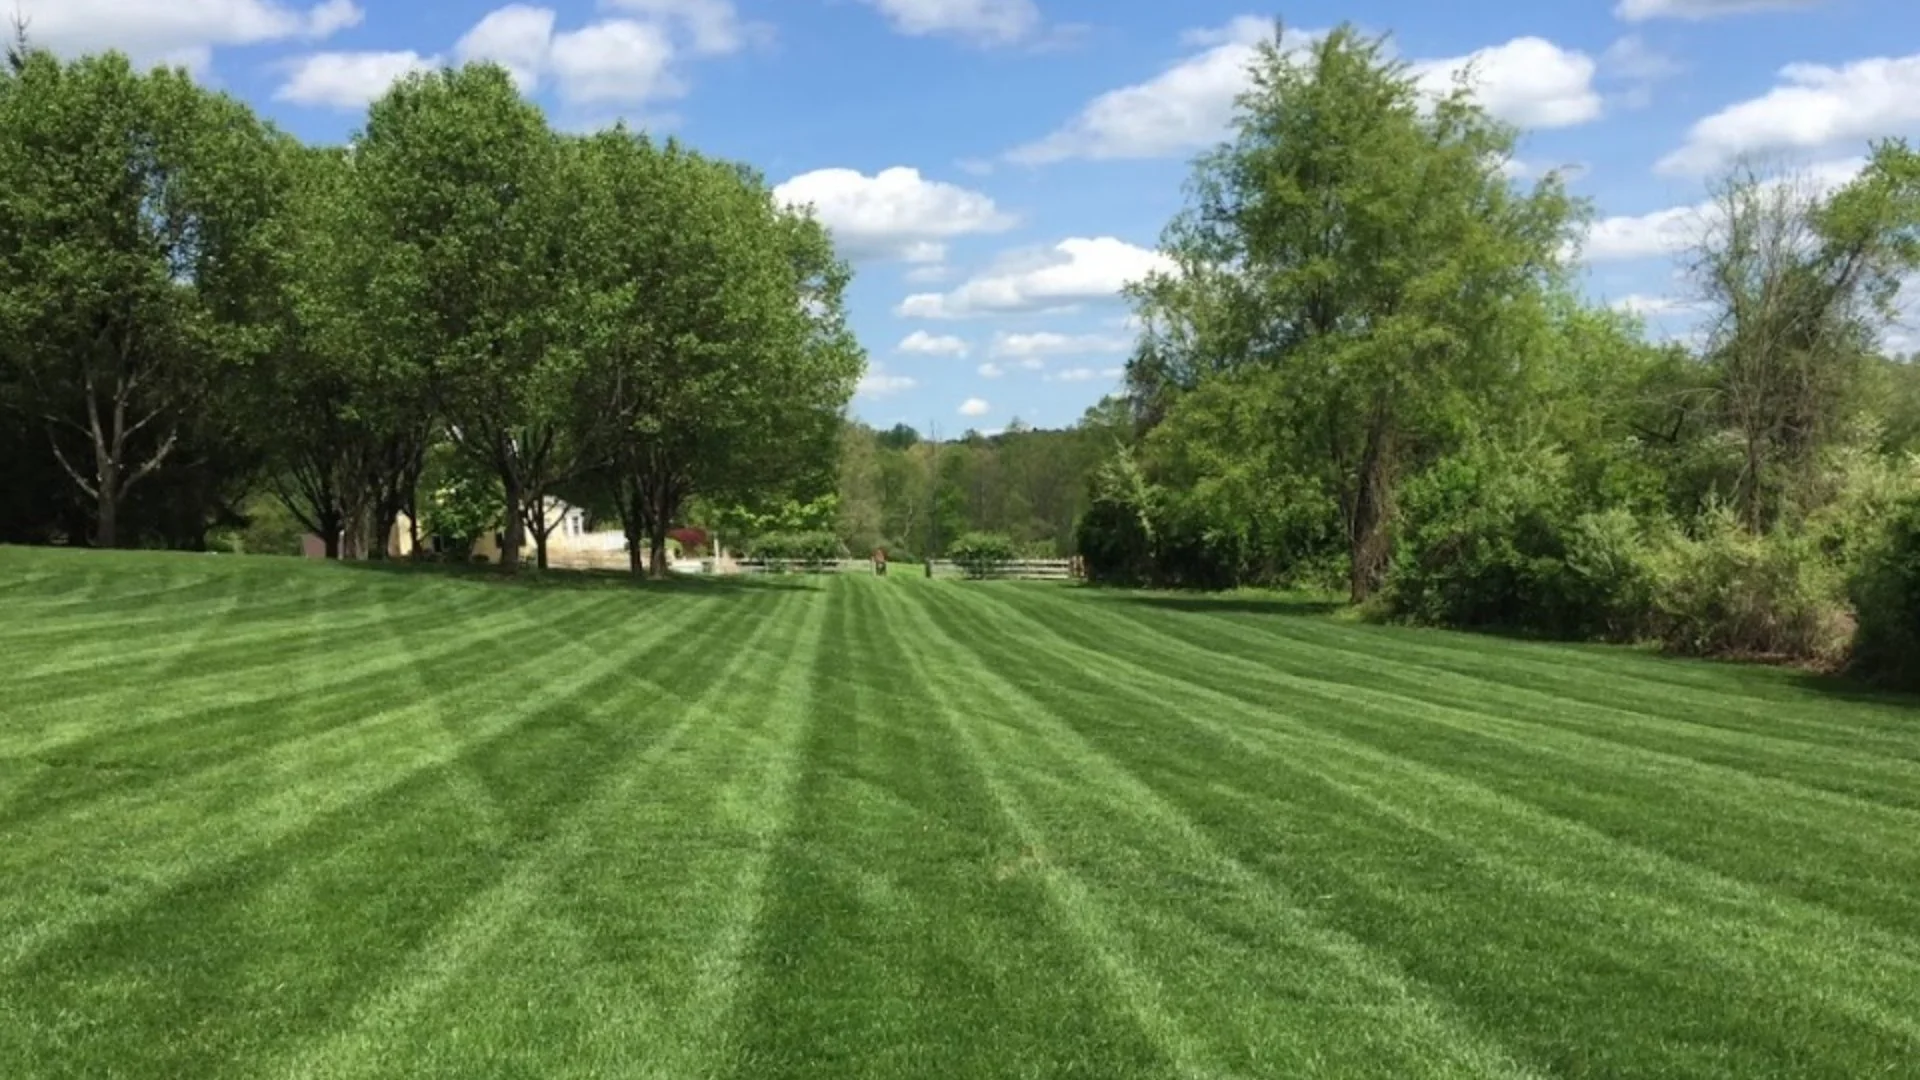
{"x": 590, "y": 580}
{"x": 1857, "y": 691}
{"x": 1225, "y": 603}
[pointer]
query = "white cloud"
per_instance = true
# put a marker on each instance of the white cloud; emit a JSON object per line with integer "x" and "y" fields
{"x": 176, "y": 31}
{"x": 1046, "y": 343}
{"x": 921, "y": 343}
{"x": 348, "y": 80}
{"x": 620, "y": 61}
{"x": 991, "y": 370}
{"x": 1074, "y": 375}
{"x": 877, "y": 383}
{"x": 615, "y": 62}
{"x": 974, "y": 406}
{"x": 894, "y": 214}
{"x": 1653, "y": 306}
{"x": 1184, "y": 108}
{"x": 1675, "y": 229}
{"x": 1529, "y": 81}
{"x": 929, "y": 274}
{"x": 988, "y": 22}
{"x": 325, "y": 20}
{"x": 713, "y": 27}
{"x": 516, "y": 37}
{"x": 1073, "y": 272}
{"x": 1642, "y": 10}
{"x": 1640, "y": 66}
{"x": 1638, "y": 236}
{"x": 1818, "y": 108}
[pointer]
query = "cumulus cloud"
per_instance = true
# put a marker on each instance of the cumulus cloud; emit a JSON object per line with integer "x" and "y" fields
{"x": 1046, "y": 343}
{"x": 712, "y": 27}
{"x": 921, "y": 343}
{"x": 516, "y": 37}
{"x": 617, "y": 62}
{"x": 1816, "y": 108}
{"x": 894, "y": 214}
{"x": 878, "y": 383}
{"x": 1184, "y": 108}
{"x": 614, "y": 62}
{"x": 1677, "y": 228}
{"x": 1528, "y": 81}
{"x": 986, "y": 22}
{"x": 180, "y": 33}
{"x": 1073, "y": 272}
{"x": 991, "y": 370}
{"x": 348, "y": 80}
{"x": 974, "y": 406}
{"x": 1695, "y": 10}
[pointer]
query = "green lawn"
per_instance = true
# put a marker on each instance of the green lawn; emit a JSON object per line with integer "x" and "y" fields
{"x": 263, "y": 818}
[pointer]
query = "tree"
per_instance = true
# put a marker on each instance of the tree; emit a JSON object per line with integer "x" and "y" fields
{"x": 715, "y": 336}
{"x": 1799, "y": 284}
{"x": 134, "y": 214}
{"x": 460, "y": 174}
{"x": 1362, "y": 241}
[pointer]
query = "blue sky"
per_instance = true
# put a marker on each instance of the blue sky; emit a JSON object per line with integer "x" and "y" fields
{"x": 997, "y": 168}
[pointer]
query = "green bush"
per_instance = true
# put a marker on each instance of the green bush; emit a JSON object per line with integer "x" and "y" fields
{"x": 1726, "y": 591}
{"x": 1114, "y": 537}
{"x": 805, "y": 549}
{"x": 1482, "y": 543}
{"x": 1608, "y": 581}
{"x": 980, "y": 554}
{"x": 1886, "y": 598}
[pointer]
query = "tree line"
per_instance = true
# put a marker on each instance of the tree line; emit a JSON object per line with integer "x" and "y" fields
{"x": 1371, "y": 366}
{"x": 196, "y": 309}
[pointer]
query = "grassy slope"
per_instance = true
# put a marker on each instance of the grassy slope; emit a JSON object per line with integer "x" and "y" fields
{"x": 263, "y": 818}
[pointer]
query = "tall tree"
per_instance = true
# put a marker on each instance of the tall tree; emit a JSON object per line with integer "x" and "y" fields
{"x": 459, "y": 173}
{"x": 134, "y": 211}
{"x": 1799, "y": 284}
{"x": 717, "y": 339}
{"x": 1361, "y": 240}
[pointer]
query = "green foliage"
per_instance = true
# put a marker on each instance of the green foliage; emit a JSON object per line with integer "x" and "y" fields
{"x": 980, "y": 554}
{"x": 1482, "y": 542}
{"x": 805, "y": 549}
{"x": 1727, "y": 591}
{"x": 466, "y": 505}
{"x": 1116, "y": 535}
{"x": 1359, "y": 241}
{"x": 136, "y": 259}
{"x": 1886, "y": 595}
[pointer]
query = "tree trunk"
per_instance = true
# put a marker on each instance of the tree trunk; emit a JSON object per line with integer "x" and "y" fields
{"x": 658, "y": 549}
{"x": 1370, "y": 540}
{"x": 330, "y": 543}
{"x": 513, "y": 532}
{"x": 106, "y": 530}
{"x": 540, "y": 549}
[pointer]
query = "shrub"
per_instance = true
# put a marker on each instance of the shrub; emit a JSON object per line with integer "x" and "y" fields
{"x": 1727, "y": 591}
{"x": 1482, "y": 542}
{"x": 1608, "y": 580}
{"x": 1886, "y": 597}
{"x": 1115, "y": 535}
{"x": 980, "y": 554}
{"x": 807, "y": 549}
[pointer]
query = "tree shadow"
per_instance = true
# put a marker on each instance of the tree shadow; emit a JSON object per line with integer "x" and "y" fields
{"x": 1855, "y": 690}
{"x": 589, "y": 580}
{"x": 1203, "y": 604}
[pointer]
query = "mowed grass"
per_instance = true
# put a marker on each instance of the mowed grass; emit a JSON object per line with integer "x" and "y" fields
{"x": 262, "y": 818}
